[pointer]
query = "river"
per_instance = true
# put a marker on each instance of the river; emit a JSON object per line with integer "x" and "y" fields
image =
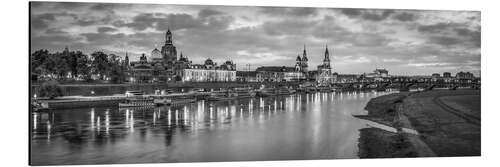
{"x": 293, "y": 127}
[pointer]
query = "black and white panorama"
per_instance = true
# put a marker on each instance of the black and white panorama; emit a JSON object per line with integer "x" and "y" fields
{"x": 118, "y": 83}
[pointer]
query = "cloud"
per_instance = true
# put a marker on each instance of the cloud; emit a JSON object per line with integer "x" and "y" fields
{"x": 368, "y": 14}
{"x": 289, "y": 12}
{"x": 106, "y": 29}
{"x": 208, "y": 12}
{"x": 405, "y": 16}
{"x": 403, "y": 41}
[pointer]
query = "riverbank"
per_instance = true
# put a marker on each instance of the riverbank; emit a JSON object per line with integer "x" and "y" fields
{"x": 447, "y": 123}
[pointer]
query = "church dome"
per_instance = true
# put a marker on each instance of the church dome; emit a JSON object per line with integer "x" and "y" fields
{"x": 209, "y": 62}
{"x": 156, "y": 54}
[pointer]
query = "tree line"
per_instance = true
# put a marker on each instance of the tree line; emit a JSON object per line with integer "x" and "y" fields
{"x": 77, "y": 66}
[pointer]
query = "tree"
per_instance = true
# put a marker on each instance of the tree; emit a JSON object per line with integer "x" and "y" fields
{"x": 82, "y": 65}
{"x": 99, "y": 64}
{"x": 50, "y": 89}
{"x": 38, "y": 59}
{"x": 116, "y": 71}
{"x": 61, "y": 67}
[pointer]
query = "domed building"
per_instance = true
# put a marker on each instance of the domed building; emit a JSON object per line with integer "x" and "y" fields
{"x": 163, "y": 63}
{"x": 156, "y": 55}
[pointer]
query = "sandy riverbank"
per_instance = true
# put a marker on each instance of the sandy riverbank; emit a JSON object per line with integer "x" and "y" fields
{"x": 447, "y": 122}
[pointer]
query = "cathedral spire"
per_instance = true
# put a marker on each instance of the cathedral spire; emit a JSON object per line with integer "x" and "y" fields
{"x": 327, "y": 55}
{"x": 304, "y": 54}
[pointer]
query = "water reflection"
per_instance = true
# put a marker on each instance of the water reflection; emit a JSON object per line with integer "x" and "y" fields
{"x": 300, "y": 126}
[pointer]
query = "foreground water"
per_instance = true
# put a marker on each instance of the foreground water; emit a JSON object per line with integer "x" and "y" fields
{"x": 299, "y": 126}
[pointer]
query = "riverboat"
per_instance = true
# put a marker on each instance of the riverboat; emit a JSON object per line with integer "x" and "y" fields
{"x": 137, "y": 102}
{"x": 244, "y": 92}
{"x": 223, "y": 95}
{"x": 265, "y": 92}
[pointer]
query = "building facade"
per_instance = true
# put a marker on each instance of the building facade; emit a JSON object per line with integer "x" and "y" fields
{"x": 464, "y": 75}
{"x": 162, "y": 65}
{"x": 210, "y": 72}
{"x": 278, "y": 74}
{"x": 324, "y": 75}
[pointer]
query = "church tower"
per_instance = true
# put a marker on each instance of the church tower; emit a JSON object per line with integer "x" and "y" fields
{"x": 326, "y": 60}
{"x": 304, "y": 60}
{"x": 168, "y": 37}
{"x": 298, "y": 64}
{"x": 168, "y": 51}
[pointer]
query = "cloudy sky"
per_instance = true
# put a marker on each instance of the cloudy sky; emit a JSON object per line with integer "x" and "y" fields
{"x": 406, "y": 42}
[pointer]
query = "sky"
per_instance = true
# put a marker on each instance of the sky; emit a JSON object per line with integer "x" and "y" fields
{"x": 405, "y": 42}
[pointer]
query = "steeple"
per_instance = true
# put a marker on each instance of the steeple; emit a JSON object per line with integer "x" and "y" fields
{"x": 304, "y": 55}
{"x": 327, "y": 55}
{"x": 168, "y": 37}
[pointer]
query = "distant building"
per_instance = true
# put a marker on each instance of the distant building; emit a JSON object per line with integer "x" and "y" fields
{"x": 210, "y": 72}
{"x": 345, "y": 78}
{"x": 278, "y": 74}
{"x": 464, "y": 75}
{"x": 436, "y": 75}
{"x": 324, "y": 75}
{"x": 163, "y": 65}
{"x": 142, "y": 70}
{"x": 377, "y": 75}
{"x": 301, "y": 64}
{"x": 446, "y": 75}
{"x": 246, "y": 76}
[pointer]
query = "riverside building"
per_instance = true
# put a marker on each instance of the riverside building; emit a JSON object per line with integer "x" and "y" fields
{"x": 210, "y": 72}
{"x": 162, "y": 66}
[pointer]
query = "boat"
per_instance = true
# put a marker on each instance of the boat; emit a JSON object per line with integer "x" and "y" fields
{"x": 162, "y": 101}
{"x": 283, "y": 91}
{"x": 325, "y": 89}
{"x": 244, "y": 92}
{"x": 223, "y": 95}
{"x": 137, "y": 102}
{"x": 39, "y": 107}
{"x": 174, "y": 99}
{"x": 265, "y": 92}
{"x": 134, "y": 93}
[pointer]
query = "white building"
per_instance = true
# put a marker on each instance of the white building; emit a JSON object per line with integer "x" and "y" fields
{"x": 210, "y": 72}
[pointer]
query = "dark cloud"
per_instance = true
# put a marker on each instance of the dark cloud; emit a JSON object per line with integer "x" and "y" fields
{"x": 179, "y": 21}
{"x": 42, "y": 21}
{"x": 405, "y": 16}
{"x": 351, "y": 12}
{"x": 448, "y": 34}
{"x": 433, "y": 28}
{"x": 106, "y": 29}
{"x": 208, "y": 12}
{"x": 287, "y": 27}
{"x": 294, "y": 12}
{"x": 377, "y": 16}
{"x": 473, "y": 36}
{"x": 86, "y": 22}
{"x": 371, "y": 15}
{"x": 445, "y": 40}
{"x": 54, "y": 31}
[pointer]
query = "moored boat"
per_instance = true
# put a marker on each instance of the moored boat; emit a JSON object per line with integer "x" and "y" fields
{"x": 223, "y": 95}
{"x": 244, "y": 92}
{"x": 137, "y": 102}
{"x": 265, "y": 92}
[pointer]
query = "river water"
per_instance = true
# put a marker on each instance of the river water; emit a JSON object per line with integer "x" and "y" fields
{"x": 293, "y": 127}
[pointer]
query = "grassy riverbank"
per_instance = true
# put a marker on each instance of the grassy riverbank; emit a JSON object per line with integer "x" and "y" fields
{"x": 447, "y": 122}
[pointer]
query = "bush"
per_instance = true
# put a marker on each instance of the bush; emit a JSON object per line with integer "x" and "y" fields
{"x": 50, "y": 89}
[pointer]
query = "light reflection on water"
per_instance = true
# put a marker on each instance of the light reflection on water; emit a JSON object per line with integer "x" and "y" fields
{"x": 300, "y": 126}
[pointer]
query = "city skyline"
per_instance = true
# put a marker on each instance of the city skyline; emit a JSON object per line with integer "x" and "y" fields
{"x": 360, "y": 40}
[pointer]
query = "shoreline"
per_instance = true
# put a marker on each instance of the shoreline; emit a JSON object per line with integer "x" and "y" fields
{"x": 447, "y": 123}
